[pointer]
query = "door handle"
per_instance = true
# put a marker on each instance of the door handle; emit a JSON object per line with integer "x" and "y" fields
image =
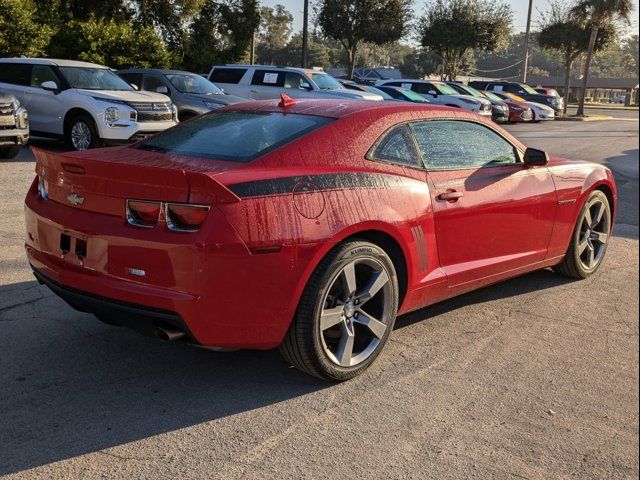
{"x": 452, "y": 196}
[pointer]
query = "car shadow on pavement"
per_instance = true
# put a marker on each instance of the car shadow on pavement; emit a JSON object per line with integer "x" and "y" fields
{"x": 625, "y": 172}
{"x": 531, "y": 282}
{"x": 70, "y": 385}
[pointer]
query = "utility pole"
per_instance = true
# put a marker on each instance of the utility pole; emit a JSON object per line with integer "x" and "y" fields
{"x": 252, "y": 51}
{"x": 526, "y": 43}
{"x": 305, "y": 33}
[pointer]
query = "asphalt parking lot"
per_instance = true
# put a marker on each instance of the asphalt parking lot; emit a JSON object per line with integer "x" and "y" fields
{"x": 532, "y": 378}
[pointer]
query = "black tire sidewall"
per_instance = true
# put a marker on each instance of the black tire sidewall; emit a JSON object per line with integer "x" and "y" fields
{"x": 347, "y": 253}
{"x": 10, "y": 151}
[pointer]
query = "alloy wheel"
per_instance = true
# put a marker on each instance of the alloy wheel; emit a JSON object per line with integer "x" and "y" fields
{"x": 81, "y": 136}
{"x": 357, "y": 308}
{"x": 594, "y": 234}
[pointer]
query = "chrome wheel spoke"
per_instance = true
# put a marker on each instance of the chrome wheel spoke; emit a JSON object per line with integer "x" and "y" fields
{"x": 587, "y": 218}
{"x": 600, "y": 237}
{"x": 374, "y": 325}
{"x": 349, "y": 277}
{"x": 345, "y": 347}
{"x": 591, "y": 256}
{"x": 597, "y": 216}
{"x": 376, "y": 282}
{"x": 584, "y": 243}
{"x": 330, "y": 317}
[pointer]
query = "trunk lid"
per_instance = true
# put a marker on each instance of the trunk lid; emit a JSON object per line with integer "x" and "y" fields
{"x": 100, "y": 180}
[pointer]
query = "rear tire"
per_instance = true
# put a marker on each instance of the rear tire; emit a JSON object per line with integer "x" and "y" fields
{"x": 81, "y": 133}
{"x": 345, "y": 314}
{"x": 9, "y": 152}
{"x": 589, "y": 240}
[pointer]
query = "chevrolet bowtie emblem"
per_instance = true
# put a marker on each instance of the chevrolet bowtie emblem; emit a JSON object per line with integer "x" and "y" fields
{"x": 75, "y": 199}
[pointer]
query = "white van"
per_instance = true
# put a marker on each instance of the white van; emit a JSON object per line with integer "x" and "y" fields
{"x": 265, "y": 82}
{"x": 85, "y": 104}
{"x": 442, "y": 94}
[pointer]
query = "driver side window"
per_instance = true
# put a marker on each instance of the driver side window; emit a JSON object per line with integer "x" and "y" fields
{"x": 458, "y": 145}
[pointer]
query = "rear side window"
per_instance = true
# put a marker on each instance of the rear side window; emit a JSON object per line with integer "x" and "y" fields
{"x": 268, "y": 78}
{"x": 131, "y": 78}
{"x": 396, "y": 146}
{"x": 151, "y": 83}
{"x": 15, "y": 73}
{"x": 233, "y": 136}
{"x": 459, "y": 145}
{"x": 41, "y": 74}
{"x": 227, "y": 75}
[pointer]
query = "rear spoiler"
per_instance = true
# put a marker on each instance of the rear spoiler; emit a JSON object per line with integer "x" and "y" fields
{"x": 202, "y": 187}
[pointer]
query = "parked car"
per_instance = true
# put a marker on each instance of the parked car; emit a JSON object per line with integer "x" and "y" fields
{"x": 86, "y": 104}
{"x": 518, "y": 111}
{"x": 266, "y": 82}
{"x": 351, "y": 85}
{"x": 14, "y": 126}
{"x": 499, "y": 109}
{"x": 307, "y": 225}
{"x": 189, "y": 92}
{"x": 552, "y": 92}
{"x": 522, "y": 90}
{"x": 403, "y": 94}
{"x": 442, "y": 94}
{"x": 540, "y": 112}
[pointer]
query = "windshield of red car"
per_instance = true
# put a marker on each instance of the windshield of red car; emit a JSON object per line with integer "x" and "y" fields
{"x": 233, "y": 136}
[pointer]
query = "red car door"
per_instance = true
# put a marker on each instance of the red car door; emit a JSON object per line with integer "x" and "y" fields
{"x": 492, "y": 215}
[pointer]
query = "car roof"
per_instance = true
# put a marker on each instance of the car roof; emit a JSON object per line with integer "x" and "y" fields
{"x": 163, "y": 71}
{"x": 335, "y": 108}
{"x": 271, "y": 67}
{"x": 52, "y": 62}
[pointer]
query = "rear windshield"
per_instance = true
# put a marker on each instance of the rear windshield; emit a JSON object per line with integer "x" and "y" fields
{"x": 233, "y": 136}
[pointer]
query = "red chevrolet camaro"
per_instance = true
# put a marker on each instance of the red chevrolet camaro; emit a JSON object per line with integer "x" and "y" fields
{"x": 307, "y": 225}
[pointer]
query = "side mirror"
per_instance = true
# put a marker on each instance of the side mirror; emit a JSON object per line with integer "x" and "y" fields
{"x": 162, "y": 89}
{"x": 50, "y": 86}
{"x": 433, "y": 92}
{"x": 134, "y": 86}
{"x": 305, "y": 86}
{"x": 535, "y": 158}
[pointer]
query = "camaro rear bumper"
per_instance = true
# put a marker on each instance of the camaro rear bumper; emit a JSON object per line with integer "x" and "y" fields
{"x": 208, "y": 284}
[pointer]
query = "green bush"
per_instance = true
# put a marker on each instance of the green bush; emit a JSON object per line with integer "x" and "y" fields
{"x": 20, "y": 32}
{"x": 107, "y": 42}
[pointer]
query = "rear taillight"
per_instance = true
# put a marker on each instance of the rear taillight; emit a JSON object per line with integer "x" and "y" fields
{"x": 183, "y": 217}
{"x": 143, "y": 213}
{"x": 42, "y": 188}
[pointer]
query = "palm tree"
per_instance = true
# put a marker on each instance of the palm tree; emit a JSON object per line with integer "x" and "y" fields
{"x": 598, "y": 13}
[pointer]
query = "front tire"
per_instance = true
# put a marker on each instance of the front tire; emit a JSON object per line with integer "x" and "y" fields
{"x": 345, "y": 314}
{"x": 589, "y": 240}
{"x": 81, "y": 133}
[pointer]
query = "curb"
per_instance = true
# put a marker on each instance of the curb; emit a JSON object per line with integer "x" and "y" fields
{"x": 584, "y": 119}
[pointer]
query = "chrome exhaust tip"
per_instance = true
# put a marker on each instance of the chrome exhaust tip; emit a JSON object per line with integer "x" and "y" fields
{"x": 169, "y": 334}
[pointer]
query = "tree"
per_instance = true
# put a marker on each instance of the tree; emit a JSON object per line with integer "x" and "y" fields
{"x": 567, "y": 35}
{"x": 354, "y": 22}
{"x": 597, "y": 14}
{"x": 274, "y": 32}
{"x": 453, "y": 28}
{"x": 20, "y": 31}
{"x": 220, "y": 33}
{"x": 107, "y": 42}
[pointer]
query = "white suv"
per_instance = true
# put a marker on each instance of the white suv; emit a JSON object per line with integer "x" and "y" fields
{"x": 265, "y": 82}
{"x": 85, "y": 104}
{"x": 442, "y": 94}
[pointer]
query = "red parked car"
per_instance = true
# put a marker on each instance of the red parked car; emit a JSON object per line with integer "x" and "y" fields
{"x": 518, "y": 112}
{"x": 307, "y": 225}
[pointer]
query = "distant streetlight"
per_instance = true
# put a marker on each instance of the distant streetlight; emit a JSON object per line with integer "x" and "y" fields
{"x": 526, "y": 43}
{"x": 305, "y": 33}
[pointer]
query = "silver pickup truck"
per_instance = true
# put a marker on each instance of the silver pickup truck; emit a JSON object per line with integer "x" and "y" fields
{"x": 14, "y": 126}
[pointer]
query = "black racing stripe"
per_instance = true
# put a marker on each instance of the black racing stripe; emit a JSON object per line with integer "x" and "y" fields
{"x": 327, "y": 181}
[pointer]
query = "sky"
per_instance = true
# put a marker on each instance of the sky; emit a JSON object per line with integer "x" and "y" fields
{"x": 519, "y": 9}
